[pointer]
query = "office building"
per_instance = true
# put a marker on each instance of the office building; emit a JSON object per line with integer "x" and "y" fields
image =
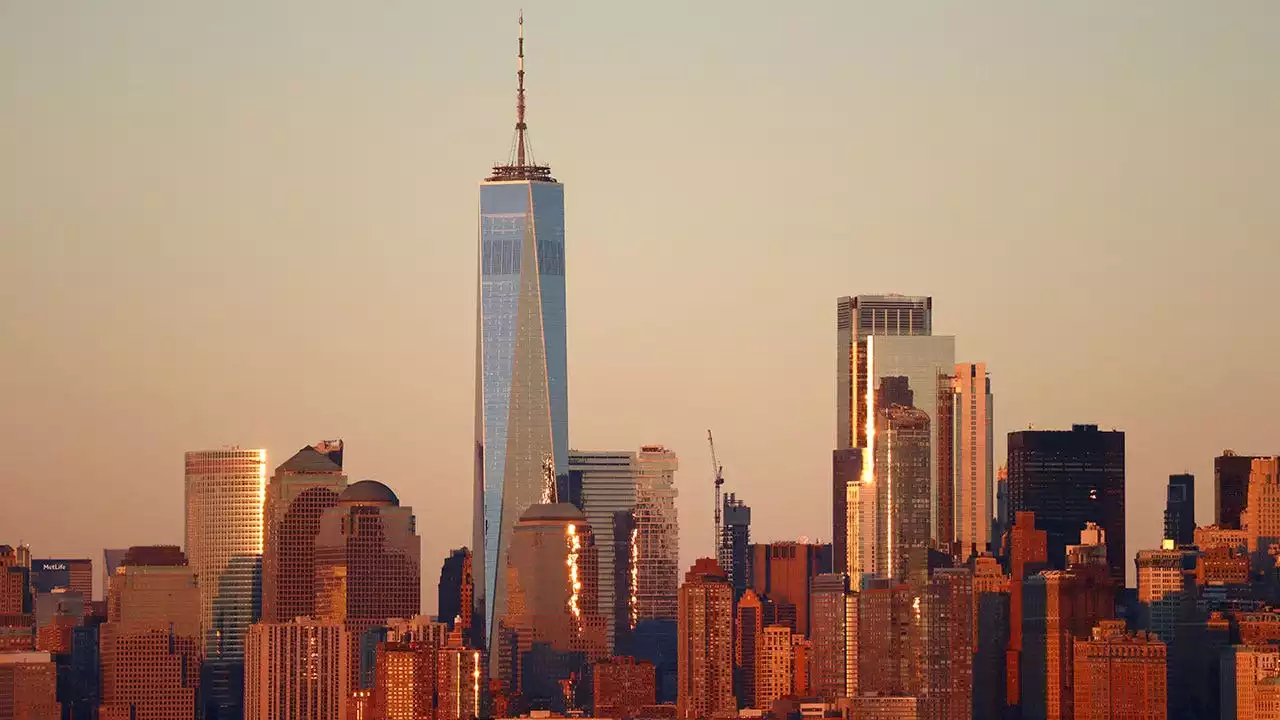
{"x": 735, "y": 544}
{"x": 774, "y": 669}
{"x": 74, "y": 575}
{"x": 1230, "y": 488}
{"x": 457, "y": 592}
{"x": 991, "y": 636}
{"x": 852, "y": 540}
{"x": 28, "y": 686}
{"x": 1069, "y": 478}
{"x": 705, "y": 683}
{"x": 1244, "y": 669}
{"x": 947, "y": 665}
{"x": 1119, "y": 676}
{"x": 460, "y": 676}
{"x": 299, "y": 491}
{"x": 607, "y": 482}
{"x": 748, "y": 627}
{"x": 223, "y": 531}
{"x": 834, "y": 625}
{"x": 17, "y": 606}
{"x": 151, "y": 645}
{"x": 404, "y": 680}
{"x": 1180, "y": 509}
{"x": 111, "y": 559}
{"x": 907, "y": 371}
{"x": 623, "y": 687}
{"x": 368, "y": 561}
{"x": 1261, "y": 516}
{"x": 1166, "y": 589}
{"x": 889, "y": 640}
{"x": 522, "y": 400}
{"x": 858, "y": 318}
{"x": 554, "y": 630}
{"x": 782, "y": 571}
{"x": 296, "y": 669}
{"x": 1027, "y": 550}
{"x": 903, "y": 456}
{"x": 657, "y": 528}
{"x": 973, "y": 460}
{"x": 1058, "y": 608}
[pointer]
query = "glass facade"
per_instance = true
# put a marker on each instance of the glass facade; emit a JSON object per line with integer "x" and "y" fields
{"x": 521, "y": 376}
{"x": 904, "y": 371}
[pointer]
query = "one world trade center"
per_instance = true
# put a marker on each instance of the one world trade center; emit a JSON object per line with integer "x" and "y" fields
{"x": 521, "y": 384}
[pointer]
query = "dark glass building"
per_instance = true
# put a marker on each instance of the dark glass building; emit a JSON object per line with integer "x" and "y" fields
{"x": 457, "y": 592}
{"x": 1069, "y": 478}
{"x": 1180, "y": 510}
{"x": 1230, "y": 488}
{"x": 735, "y": 544}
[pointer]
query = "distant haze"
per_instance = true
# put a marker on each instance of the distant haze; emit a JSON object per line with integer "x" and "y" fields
{"x": 256, "y": 224}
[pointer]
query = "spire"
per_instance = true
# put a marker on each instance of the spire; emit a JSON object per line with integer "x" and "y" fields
{"x": 521, "y": 165}
{"x": 520, "y": 126}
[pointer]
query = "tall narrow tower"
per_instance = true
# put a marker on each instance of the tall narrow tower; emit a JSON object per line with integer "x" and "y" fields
{"x": 521, "y": 378}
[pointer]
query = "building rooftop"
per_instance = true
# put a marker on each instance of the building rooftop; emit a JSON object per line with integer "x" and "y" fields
{"x": 369, "y": 492}
{"x": 554, "y": 511}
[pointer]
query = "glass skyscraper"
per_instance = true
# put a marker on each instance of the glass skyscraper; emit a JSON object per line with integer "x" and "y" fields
{"x": 521, "y": 378}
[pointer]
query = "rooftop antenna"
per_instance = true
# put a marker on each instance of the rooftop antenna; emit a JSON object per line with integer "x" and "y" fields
{"x": 520, "y": 126}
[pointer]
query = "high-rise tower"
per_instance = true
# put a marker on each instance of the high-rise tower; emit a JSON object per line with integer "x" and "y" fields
{"x": 224, "y": 499}
{"x": 521, "y": 378}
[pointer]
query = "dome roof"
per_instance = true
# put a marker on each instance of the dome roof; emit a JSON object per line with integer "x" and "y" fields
{"x": 369, "y": 491}
{"x": 554, "y": 511}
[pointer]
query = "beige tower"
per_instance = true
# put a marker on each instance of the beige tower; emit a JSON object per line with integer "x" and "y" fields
{"x": 297, "y": 669}
{"x": 705, "y": 663}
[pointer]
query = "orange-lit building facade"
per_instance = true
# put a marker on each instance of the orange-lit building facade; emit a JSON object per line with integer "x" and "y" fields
{"x": 1120, "y": 676}
{"x": 774, "y": 666}
{"x": 552, "y": 629}
{"x": 1261, "y": 517}
{"x": 748, "y": 627}
{"x": 1058, "y": 608}
{"x": 705, "y": 665}
{"x": 889, "y": 640}
{"x": 368, "y": 561}
{"x": 623, "y": 687}
{"x": 782, "y": 571}
{"x": 974, "y": 464}
{"x": 1028, "y": 551}
{"x": 17, "y": 611}
{"x": 151, "y": 649}
{"x": 834, "y": 666}
{"x": 297, "y": 669}
{"x": 298, "y": 493}
{"x": 28, "y": 686}
{"x": 1244, "y": 669}
{"x": 947, "y": 615}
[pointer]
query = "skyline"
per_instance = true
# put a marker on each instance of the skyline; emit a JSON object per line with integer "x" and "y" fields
{"x": 339, "y": 257}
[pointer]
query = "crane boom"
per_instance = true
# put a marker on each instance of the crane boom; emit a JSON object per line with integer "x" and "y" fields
{"x": 719, "y": 480}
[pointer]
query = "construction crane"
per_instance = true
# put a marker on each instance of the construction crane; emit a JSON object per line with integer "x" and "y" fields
{"x": 719, "y": 475}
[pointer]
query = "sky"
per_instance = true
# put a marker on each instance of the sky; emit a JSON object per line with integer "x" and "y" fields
{"x": 255, "y": 224}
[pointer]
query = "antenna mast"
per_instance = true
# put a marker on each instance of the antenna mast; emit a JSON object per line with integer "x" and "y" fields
{"x": 520, "y": 126}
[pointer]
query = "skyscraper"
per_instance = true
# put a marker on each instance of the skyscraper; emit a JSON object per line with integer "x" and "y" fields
{"x": 847, "y": 496}
{"x": 224, "y": 498}
{"x": 297, "y": 669}
{"x": 301, "y": 489}
{"x": 608, "y": 485}
{"x": 657, "y": 553}
{"x": 902, "y": 486}
{"x": 1027, "y": 549}
{"x": 28, "y": 686}
{"x": 1120, "y": 676}
{"x": 858, "y": 318}
{"x": 748, "y": 626}
{"x": 781, "y": 571}
{"x": 705, "y": 686}
{"x": 1180, "y": 510}
{"x": 1230, "y": 488}
{"x": 835, "y": 637}
{"x": 623, "y": 687}
{"x": 553, "y": 628}
{"x": 1069, "y": 478}
{"x": 973, "y": 456}
{"x": 457, "y": 591}
{"x": 151, "y": 643}
{"x": 947, "y": 611}
{"x": 774, "y": 669}
{"x": 522, "y": 400}
{"x": 735, "y": 544}
{"x": 1261, "y": 515}
{"x": 368, "y": 561}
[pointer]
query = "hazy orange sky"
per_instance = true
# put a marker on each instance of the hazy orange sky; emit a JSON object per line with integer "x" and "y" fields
{"x": 255, "y": 224}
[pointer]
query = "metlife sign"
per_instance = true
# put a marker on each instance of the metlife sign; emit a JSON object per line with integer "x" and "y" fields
{"x": 49, "y": 574}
